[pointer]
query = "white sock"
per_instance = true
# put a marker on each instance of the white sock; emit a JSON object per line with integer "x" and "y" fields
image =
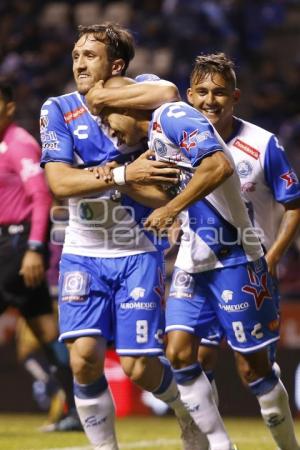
{"x": 197, "y": 395}
{"x": 276, "y": 413}
{"x": 97, "y": 416}
{"x": 171, "y": 396}
{"x": 215, "y": 391}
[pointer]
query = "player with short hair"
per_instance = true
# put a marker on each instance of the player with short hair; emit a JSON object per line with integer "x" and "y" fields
{"x": 267, "y": 179}
{"x": 111, "y": 272}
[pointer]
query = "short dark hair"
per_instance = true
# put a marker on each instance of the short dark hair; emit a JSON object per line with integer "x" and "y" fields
{"x": 6, "y": 91}
{"x": 214, "y": 63}
{"x": 118, "y": 40}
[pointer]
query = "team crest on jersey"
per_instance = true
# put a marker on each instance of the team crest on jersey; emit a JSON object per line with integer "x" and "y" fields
{"x": 244, "y": 169}
{"x": 246, "y": 148}
{"x": 258, "y": 288}
{"x": 160, "y": 147}
{"x": 290, "y": 178}
{"x": 189, "y": 140}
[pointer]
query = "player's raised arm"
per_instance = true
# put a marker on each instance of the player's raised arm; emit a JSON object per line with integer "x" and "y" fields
{"x": 145, "y": 95}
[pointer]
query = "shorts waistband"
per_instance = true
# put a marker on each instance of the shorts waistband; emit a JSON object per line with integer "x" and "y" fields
{"x": 12, "y": 229}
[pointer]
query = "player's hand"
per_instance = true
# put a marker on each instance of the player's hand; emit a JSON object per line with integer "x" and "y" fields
{"x": 272, "y": 262}
{"x": 160, "y": 220}
{"x": 149, "y": 171}
{"x": 94, "y": 98}
{"x": 32, "y": 269}
{"x": 104, "y": 172}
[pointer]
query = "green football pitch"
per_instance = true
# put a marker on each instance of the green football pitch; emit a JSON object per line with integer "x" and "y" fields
{"x": 20, "y": 432}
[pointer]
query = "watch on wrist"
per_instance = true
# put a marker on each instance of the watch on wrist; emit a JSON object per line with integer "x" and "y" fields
{"x": 35, "y": 246}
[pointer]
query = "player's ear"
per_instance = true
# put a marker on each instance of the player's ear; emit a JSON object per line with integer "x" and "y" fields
{"x": 10, "y": 109}
{"x": 189, "y": 96}
{"x": 236, "y": 95}
{"x": 118, "y": 66}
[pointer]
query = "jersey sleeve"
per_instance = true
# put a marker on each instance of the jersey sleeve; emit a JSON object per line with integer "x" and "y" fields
{"x": 190, "y": 130}
{"x": 57, "y": 141}
{"x": 279, "y": 174}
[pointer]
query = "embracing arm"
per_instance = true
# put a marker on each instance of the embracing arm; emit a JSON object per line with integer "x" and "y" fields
{"x": 151, "y": 196}
{"x": 67, "y": 181}
{"x": 147, "y": 95}
{"x": 287, "y": 231}
{"x": 212, "y": 172}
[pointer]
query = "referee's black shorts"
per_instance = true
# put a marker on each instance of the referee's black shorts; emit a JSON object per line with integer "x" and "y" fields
{"x": 31, "y": 302}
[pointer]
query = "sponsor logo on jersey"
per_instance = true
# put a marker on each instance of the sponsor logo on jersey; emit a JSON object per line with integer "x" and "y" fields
{"x": 246, "y": 148}
{"x": 234, "y": 308}
{"x": 156, "y": 127}
{"x": 258, "y": 288}
{"x": 137, "y": 293}
{"x": 189, "y": 140}
{"x": 244, "y": 169}
{"x": 50, "y": 146}
{"x": 290, "y": 178}
{"x": 139, "y": 305}
{"x": 73, "y": 115}
{"x": 227, "y": 295}
{"x": 248, "y": 187}
{"x": 44, "y": 121}
{"x": 160, "y": 147}
{"x": 49, "y": 137}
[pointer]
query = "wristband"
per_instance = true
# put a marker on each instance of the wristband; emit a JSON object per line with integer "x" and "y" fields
{"x": 35, "y": 246}
{"x": 119, "y": 175}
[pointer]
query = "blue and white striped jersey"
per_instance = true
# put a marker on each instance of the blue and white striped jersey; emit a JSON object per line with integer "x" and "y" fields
{"x": 101, "y": 226}
{"x": 217, "y": 231}
{"x": 266, "y": 175}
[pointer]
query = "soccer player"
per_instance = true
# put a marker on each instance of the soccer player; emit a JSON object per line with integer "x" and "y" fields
{"x": 267, "y": 179}
{"x": 220, "y": 258}
{"x": 24, "y": 219}
{"x": 111, "y": 273}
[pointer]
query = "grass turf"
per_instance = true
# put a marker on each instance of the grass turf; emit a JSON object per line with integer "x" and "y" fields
{"x": 20, "y": 432}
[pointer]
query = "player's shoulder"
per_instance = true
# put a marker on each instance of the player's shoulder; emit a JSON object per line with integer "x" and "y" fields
{"x": 256, "y": 132}
{"x": 63, "y": 102}
{"x": 251, "y": 139}
{"x": 176, "y": 110}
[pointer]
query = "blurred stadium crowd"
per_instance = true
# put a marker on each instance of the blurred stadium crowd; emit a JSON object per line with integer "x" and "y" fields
{"x": 262, "y": 36}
